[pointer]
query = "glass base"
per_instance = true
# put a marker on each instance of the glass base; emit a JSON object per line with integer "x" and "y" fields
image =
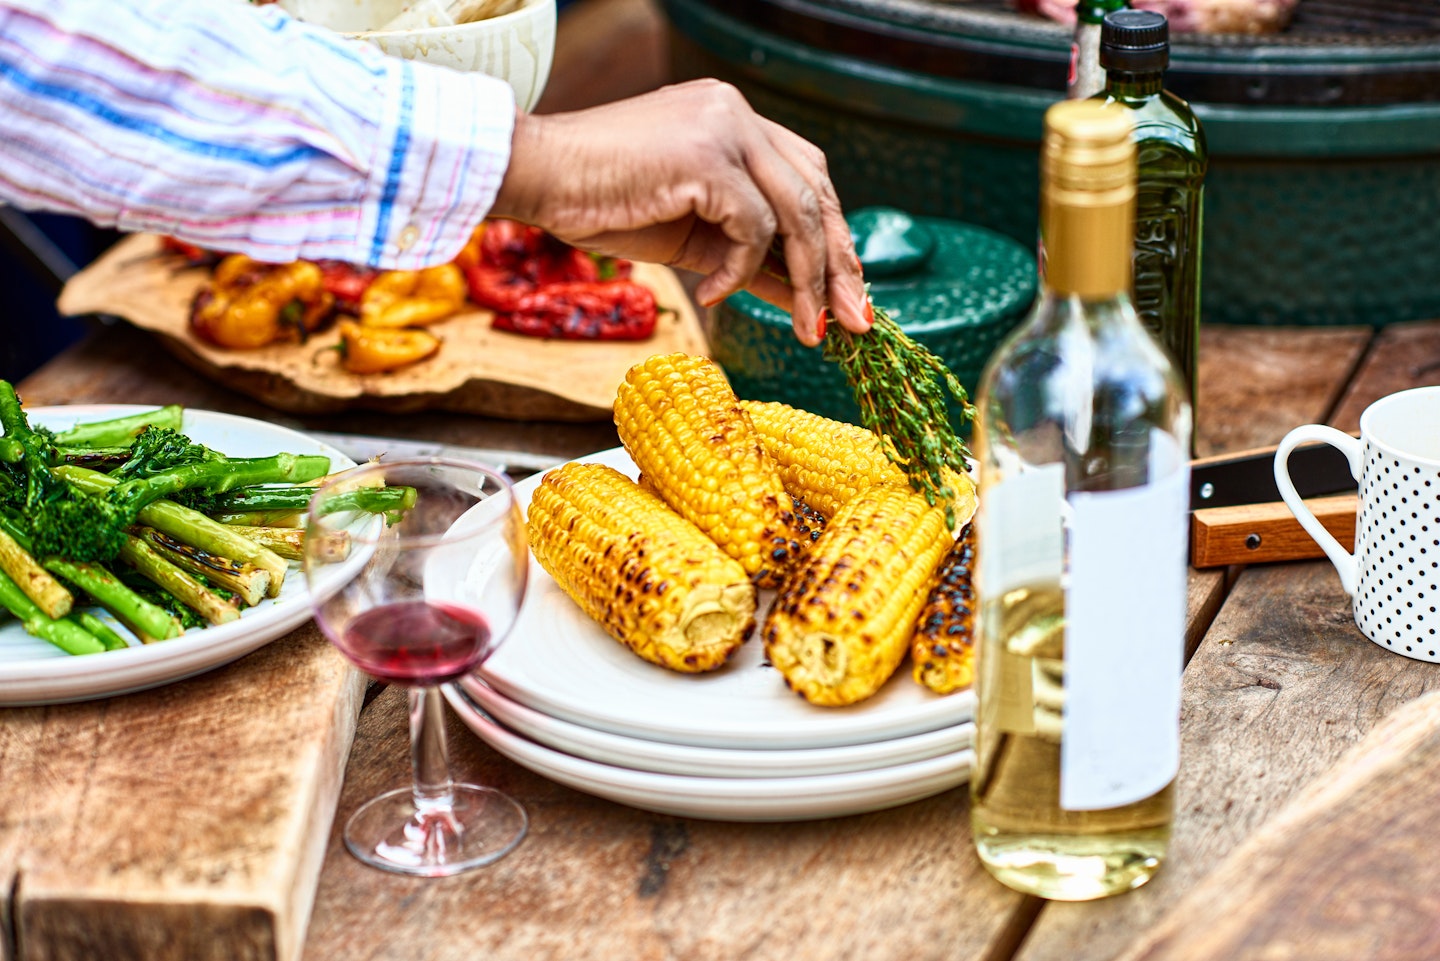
{"x": 1067, "y": 868}
{"x": 478, "y": 826}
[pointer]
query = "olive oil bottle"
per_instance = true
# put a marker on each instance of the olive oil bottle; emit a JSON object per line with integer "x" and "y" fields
{"x": 1082, "y": 437}
{"x": 1170, "y": 194}
{"x": 1087, "y": 76}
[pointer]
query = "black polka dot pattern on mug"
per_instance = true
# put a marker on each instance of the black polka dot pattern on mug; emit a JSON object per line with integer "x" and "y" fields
{"x": 1397, "y": 551}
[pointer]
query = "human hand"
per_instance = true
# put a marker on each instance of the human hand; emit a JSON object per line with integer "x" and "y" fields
{"x": 692, "y": 177}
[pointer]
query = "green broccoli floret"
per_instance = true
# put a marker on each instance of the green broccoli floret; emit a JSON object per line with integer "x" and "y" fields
{"x": 160, "y": 449}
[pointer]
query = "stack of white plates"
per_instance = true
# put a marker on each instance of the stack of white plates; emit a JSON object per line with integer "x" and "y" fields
{"x": 563, "y": 699}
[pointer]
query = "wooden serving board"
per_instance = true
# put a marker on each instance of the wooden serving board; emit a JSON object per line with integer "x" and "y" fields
{"x": 184, "y": 823}
{"x": 477, "y": 371}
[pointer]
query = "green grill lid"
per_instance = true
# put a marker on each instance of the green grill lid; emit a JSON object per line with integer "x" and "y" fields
{"x": 955, "y": 287}
{"x": 931, "y": 274}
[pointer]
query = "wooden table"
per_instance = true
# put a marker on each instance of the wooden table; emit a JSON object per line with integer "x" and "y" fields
{"x": 1285, "y": 845}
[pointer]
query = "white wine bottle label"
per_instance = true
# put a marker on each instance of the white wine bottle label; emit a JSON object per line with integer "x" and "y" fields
{"x": 1124, "y": 637}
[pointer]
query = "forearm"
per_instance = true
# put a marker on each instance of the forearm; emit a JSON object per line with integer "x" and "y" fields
{"x": 241, "y": 129}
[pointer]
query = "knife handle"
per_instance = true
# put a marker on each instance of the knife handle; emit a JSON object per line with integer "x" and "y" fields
{"x": 1260, "y": 533}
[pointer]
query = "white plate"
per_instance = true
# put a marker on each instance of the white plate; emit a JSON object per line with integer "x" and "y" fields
{"x": 664, "y": 758}
{"x": 560, "y": 662}
{"x": 33, "y": 671}
{"x": 725, "y": 799}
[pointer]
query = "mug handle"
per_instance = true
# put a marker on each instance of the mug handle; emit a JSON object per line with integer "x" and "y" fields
{"x": 1343, "y": 560}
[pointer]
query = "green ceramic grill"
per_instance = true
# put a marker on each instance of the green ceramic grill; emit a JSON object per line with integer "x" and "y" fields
{"x": 956, "y": 288}
{"x": 1323, "y": 198}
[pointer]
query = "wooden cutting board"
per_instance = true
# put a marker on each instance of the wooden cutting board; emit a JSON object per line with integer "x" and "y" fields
{"x": 477, "y": 370}
{"x": 184, "y": 823}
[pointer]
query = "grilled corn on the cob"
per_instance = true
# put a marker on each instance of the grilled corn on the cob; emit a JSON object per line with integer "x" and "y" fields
{"x": 684, "y": 428}
{"x": 943, "y": 651}
{"x": 844, "y": 618}
{"x": 827, "y": 462}
{"x": 652, "y": 579}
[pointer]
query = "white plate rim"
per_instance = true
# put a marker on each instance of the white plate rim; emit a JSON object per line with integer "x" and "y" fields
{"x": 872, "y": 720}
{"x": 60, "y": 679}
{"x": 724, "y": 799}
{"x": 662, "y": 757}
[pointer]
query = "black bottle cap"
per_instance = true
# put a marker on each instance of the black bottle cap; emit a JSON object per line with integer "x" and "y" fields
{"x": 1135, "y": 41}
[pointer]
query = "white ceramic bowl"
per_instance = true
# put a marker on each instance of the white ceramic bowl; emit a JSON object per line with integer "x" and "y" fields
{"x": 518, "y": 47}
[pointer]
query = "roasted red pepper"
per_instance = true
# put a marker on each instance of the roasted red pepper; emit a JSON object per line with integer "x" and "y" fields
{"x": 347, "y": 283}
{"x": 617, "y": 310}
{"x": 515, "y": 260}
{"x": 194, "y": 256}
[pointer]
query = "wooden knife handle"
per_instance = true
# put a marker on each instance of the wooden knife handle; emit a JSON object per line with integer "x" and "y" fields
{"x": 1259, "y": 533}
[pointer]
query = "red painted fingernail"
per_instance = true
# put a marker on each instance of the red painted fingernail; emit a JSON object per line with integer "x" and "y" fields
{"x": 820, "y": 325}
{"x": 869, "y": 312}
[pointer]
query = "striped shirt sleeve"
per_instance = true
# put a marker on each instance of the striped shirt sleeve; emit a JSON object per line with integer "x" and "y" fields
{"x": 240, "y": 128}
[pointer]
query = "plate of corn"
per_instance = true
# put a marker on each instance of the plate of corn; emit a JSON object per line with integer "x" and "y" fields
{"x": 766, "y": 573}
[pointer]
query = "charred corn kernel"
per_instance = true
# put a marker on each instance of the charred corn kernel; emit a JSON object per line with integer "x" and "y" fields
{"x": 684, "y": 427}
{"x": 651, "y": 578}
{"x": 827, "y": 462}
{"x": 413, "y": 298}
{"x": 372, "y": 350}
{"x": 943, "y": 651}
{"x": 844, "y": 618}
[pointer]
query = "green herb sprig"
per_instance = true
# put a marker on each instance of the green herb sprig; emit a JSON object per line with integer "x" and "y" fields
{"x": 900, "y": 388}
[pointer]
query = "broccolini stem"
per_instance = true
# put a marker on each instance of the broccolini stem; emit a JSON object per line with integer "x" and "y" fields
{"x": 220, "y": 476}
{"x": 12, "y": 416}
{"x": 95, "y": 458}
{"x": 189, "y": 526}
{"x": 247, "y": 581}
{"x": 187, "y": 590}
{"x": 288, "y": 542}
{"x": 101, "y": 631}
{"x": 120, "y": 431}
{"x": 48, "y": 594}
{"x": 149, "y": 622}
{"x": 11, "y": 450}
{"x": 371, "y": 500}
{"x": 261, "y": 520}
{"x": 66, "y": 635}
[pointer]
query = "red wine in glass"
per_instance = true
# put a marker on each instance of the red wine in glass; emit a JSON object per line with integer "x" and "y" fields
{"x": 417, "y": 642}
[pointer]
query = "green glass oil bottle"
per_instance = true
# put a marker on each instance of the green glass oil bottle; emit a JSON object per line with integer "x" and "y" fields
{"x": 1169, "y": 208}
{"x": 1087, "y": 77}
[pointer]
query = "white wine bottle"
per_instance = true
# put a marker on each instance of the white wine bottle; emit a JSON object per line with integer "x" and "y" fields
{"x": 1082, "y": 436}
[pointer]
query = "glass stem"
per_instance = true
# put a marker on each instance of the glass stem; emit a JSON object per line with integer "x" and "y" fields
{"x": 428, "y": 754}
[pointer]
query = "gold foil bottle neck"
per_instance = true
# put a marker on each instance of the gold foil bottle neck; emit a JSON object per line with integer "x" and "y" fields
{"x": 1087, "y": 198}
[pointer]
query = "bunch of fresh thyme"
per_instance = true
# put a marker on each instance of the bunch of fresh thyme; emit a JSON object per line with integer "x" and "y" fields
{"x": 900, "y": 386}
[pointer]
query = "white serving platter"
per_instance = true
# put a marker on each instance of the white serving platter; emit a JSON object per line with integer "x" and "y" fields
{"x": 662, "y": 757}
{"x": 33, "y": 671}
{"x": 720, "y": 798}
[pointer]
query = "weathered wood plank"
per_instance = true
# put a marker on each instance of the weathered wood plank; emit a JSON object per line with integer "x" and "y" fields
{"x": 1403, "y": 356}
{"x": 182, "y": 823}
{"x": 1258, "y": 382}
{"x": 1282, "y": 685}
{"x": 1336, "y": 876}
{"x": 600, "y": 880}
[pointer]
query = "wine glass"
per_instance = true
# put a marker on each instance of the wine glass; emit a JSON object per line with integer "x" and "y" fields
{"x": 418, "y": 596}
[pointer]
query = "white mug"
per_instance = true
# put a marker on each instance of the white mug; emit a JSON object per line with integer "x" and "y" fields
{"x": 1393, "y": 577}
